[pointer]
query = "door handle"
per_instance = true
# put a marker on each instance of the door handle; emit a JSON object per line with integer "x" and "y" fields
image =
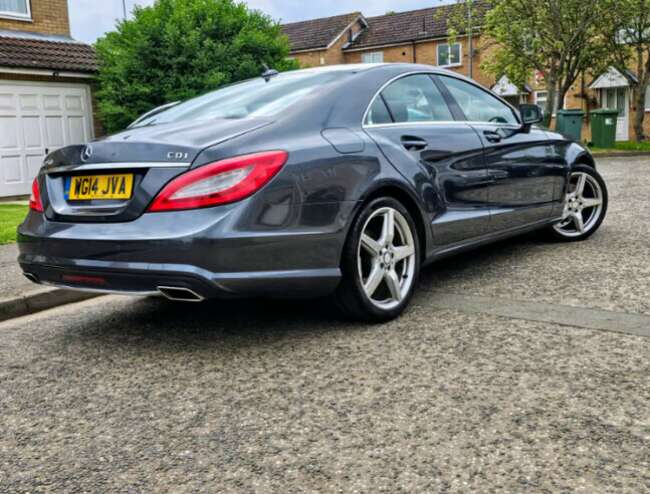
{"x": 413, "y": 143}
{"x": 492, "y": 136}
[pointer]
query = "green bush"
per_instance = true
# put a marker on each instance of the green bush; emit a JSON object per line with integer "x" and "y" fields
{"x": 178, "y": 49}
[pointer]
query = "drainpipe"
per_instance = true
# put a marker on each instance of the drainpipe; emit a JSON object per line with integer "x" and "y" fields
{"x": 470, "y": 41}
{"x": 413, "y": 48}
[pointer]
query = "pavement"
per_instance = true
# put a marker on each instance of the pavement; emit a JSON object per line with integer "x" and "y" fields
{"x": 12, "y": 280}
{"x": 19, "y": 296}
{"x": 521, "y": 367}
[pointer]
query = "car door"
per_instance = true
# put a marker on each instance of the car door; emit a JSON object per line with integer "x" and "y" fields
{"x": 521, "y": 165}
{"x": 416, "y": 129}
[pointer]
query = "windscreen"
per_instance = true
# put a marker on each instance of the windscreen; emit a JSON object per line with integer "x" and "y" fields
{"x": 253, "y": 98}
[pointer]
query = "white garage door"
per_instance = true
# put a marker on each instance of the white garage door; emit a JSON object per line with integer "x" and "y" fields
{"x": 35, "y": 117}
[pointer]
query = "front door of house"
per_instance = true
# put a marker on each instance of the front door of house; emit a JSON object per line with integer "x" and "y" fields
{"x": 618, "y": 98}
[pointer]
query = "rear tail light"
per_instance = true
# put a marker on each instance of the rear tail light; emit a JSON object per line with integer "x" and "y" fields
{"x": 35, "y": 203}
{"x": 219, "y": 183}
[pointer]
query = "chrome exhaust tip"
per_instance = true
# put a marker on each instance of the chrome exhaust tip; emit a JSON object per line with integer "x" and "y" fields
{"x": 180, "y": 294}
{"x": 31, "y": 277}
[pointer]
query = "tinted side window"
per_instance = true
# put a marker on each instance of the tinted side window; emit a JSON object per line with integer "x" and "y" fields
{"x": 378, "y": 113}
{"x": 478, "y": 105}
{"x": 416, "y": 99}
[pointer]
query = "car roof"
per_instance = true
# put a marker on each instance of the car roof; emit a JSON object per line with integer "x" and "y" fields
{"x": 380, "y": 69}
{"x": 365, "y": 67}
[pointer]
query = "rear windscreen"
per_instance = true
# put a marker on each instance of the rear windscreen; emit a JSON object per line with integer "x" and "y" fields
{"x": 253, "y": 98}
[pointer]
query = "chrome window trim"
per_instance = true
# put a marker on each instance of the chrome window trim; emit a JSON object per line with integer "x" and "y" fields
{"x": 435, "y": 122}
{"x": 115, "y": 166}
{"x": 442, "y": 122}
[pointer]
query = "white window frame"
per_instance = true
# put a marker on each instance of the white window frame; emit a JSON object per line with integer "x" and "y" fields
{"x": 537, "y": 98}
{"x": 17, "y": 16}
{"x": 546, "y": 98}
{"x": 372, "y": 57}
{"x": 449, "y": 45}
{"x": 647, "y": 99}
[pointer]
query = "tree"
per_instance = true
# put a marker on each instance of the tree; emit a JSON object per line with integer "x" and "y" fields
{"x": 178, "y": 49}
{"x": 558, "y": 39}
{"x": 627, "y": 34}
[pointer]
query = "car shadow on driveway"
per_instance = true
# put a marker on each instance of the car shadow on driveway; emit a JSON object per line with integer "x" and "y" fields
{"x": 156, "y": 324}
{"x": 237, "y": 323}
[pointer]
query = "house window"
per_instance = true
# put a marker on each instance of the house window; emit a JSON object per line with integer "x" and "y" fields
{"x": 614, "y": 99}
{"x": 541, "y": 97}
{"x": 449, "y": 55}
{"x": 374, "y": 57}
{"x": 15, "y": 9}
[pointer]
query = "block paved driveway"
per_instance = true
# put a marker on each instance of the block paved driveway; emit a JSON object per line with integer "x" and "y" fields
{"x": 522, "y": 367}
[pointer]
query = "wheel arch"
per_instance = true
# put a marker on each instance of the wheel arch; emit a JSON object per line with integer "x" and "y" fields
{"x": 580, "y": 156}
{"x": 406, "y": 197}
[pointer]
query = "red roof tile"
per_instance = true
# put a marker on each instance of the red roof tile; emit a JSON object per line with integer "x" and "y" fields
{"x": 317, "y": 33}
{"x": 33, "y": 53}
{"x": 415, "y": 25}
{"x": 395, "y": 28}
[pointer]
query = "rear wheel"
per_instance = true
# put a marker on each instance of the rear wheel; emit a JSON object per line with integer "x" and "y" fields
{"x": 585, "y": 206}
{"x": 381, "y": 262}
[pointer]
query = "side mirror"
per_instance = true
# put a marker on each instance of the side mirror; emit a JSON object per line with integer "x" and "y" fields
{"x": 531, "y": 114}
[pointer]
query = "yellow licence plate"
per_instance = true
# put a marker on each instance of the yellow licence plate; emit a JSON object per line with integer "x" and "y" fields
{"x": 101, "y": 187}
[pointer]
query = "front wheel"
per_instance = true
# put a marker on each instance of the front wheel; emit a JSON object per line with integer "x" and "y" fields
{"x": 381, "y": 262}
{"x": 585, "y": 206}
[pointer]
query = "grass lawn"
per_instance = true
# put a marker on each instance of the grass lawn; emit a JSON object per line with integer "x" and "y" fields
{"x": 627, "y": 146}
{"x": 10, "y": 217}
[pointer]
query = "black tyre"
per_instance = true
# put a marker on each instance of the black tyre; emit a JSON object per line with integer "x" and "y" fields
{"x": 585, "y": 207}
{"x": 381, "y": 262}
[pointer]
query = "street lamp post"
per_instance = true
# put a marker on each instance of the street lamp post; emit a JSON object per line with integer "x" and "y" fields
{"x": 124, "y": 8}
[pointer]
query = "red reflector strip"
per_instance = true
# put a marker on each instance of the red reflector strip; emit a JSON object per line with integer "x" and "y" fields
{"x": 91, "y": 280}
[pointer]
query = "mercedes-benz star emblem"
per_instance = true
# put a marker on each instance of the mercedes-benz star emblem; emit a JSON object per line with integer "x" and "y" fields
{"x": 86, "y": 153}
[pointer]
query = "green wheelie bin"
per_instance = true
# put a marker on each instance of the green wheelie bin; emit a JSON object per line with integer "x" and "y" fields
{"x": 569, "y": 123}
{"x": 603, "y": 128}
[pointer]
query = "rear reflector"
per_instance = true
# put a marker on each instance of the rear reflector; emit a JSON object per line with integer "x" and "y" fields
{"x": 86, "y": 280}
{"x": 219, "y": 183}
{"x": 35, "y": 203}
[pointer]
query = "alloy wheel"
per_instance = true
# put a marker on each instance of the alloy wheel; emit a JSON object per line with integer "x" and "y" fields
{"x": 583, "y": 206}
{"x": 386, "y": 258}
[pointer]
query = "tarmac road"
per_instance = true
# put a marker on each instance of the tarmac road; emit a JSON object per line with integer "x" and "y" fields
{"x": 470, "y": 391}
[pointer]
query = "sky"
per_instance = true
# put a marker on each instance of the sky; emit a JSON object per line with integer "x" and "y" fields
{"x": 90, "y": 19}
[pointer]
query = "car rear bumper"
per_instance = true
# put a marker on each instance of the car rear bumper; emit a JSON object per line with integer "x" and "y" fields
{"x": 206, "y": 253}
{"x": 172, "y": 281}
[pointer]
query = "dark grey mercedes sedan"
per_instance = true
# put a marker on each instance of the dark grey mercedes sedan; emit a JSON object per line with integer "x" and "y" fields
{"x": 342, "y": 180}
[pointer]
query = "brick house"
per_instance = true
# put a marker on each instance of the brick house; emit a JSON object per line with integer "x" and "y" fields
{"x": 45, "y": 88}
{"x": 421, "y": 36}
